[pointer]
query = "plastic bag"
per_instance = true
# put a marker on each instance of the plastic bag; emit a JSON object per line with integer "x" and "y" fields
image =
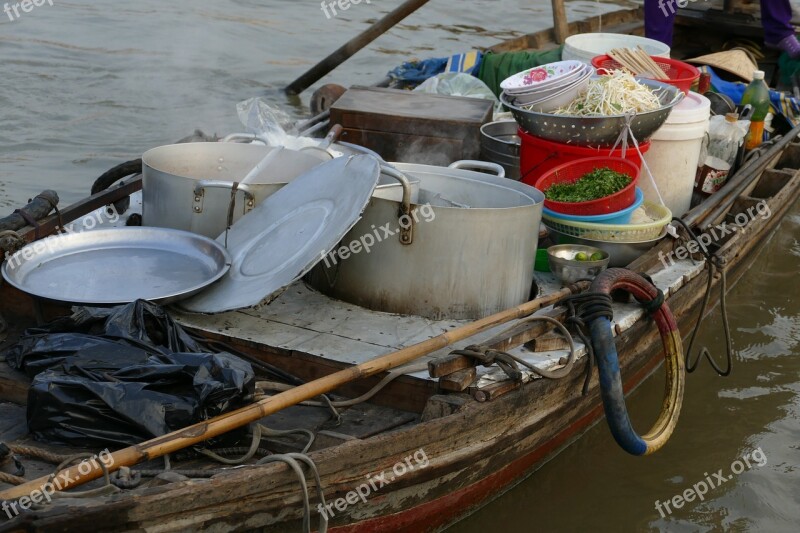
{"x": 117, "y": 377}
{"x": 263, "y": 119}
{"x": 725, "y": 137}
{"x": 273, "y": 125}
{"x": 719, "y": 150}
{"x": 459, "y": 84}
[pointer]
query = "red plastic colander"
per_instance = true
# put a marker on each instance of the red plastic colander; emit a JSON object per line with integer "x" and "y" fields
{"x": 574, "y": 170}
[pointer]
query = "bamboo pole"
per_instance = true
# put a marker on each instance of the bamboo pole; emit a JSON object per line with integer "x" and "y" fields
{"x": 189, "y": 436}
{"x": 354, "y": 45}
{"x": 560, "y": 24}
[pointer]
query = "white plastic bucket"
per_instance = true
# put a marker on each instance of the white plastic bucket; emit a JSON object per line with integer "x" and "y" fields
{"x": 585, "y": 46}
{"x": 674, "y": 153}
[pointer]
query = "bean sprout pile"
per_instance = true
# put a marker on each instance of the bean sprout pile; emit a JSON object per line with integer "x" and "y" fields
{"x": 615, "y": 94}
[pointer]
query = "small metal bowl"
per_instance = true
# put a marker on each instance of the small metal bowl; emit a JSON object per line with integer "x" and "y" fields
{"x": 569, "y": 270}
{"x": 622, "y": 253}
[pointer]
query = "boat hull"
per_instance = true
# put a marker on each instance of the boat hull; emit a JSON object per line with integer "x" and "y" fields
{"x": 476, "y": 453}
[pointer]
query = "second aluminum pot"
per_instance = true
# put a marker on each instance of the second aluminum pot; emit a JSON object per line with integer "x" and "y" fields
{"x": 188, "y": 186}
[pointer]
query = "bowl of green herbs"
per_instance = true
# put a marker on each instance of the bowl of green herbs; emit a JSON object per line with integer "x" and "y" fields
{"x": 590, "y": 186}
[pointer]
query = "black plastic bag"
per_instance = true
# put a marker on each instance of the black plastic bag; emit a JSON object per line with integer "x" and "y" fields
{"x": 117, "y": 377}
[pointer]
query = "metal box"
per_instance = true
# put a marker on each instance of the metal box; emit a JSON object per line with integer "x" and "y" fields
{"x": 408, "y": 126}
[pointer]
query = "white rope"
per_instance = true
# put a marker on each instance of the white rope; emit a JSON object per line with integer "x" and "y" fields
{"x": 622, "y": 141}
{"x": 292, "y": 459}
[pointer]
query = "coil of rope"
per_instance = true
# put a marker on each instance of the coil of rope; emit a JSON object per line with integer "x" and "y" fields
{"x": 12, "y": 479}
{"x": 12, "y": 453}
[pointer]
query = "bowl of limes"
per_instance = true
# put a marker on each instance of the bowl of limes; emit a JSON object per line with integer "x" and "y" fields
{"x": 575, "y": 262}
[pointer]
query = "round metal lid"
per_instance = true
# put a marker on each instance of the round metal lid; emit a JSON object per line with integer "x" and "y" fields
{"x": 292, "y": 230}
{"x": 117, "y": 266}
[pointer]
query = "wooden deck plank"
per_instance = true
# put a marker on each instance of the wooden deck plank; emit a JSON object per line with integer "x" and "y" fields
{"x": 306, "y": 321}
{"x": 300, "y": 307}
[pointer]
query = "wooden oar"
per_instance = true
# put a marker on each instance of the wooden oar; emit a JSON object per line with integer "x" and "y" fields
{"x": 183, "y": 438}
{"x": 354, "y": 45}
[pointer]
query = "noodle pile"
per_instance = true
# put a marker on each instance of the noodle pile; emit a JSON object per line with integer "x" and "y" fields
{"x": 616, "y": 94}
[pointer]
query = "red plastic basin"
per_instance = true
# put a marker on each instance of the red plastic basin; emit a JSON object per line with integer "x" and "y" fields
{"x": 538, "y": 156}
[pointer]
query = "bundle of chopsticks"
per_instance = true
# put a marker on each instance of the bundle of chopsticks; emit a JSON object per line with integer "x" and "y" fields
{"x": 638, "y": 62}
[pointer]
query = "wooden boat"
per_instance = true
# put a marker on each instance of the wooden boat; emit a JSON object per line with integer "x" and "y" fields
{"x": 472, "y": 449}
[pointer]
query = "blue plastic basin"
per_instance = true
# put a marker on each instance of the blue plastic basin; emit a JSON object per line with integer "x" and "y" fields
{"x": 620, "y": 217}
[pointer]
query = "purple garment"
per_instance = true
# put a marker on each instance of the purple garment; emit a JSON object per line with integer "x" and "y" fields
{"x": 659, "y": 17}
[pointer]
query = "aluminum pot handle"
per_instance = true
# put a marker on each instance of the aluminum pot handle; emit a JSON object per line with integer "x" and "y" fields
{"x": 326, "y": 143}
{"x": 202, "y": 185}
{"x": 407, "y": 230}
{"x": 482, "y": 165}
{"x": 234, "y": 137}
{"x": 363, "y": 150}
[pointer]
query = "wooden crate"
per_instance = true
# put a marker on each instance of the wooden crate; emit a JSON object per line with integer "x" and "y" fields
{"x": 412, "y": 127}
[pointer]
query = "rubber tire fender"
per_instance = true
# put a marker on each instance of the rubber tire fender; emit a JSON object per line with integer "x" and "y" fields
{"x": 611, "y": 388}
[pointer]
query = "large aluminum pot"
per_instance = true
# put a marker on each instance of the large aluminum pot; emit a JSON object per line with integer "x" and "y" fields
{"x": 465, "y": 250}
{"x": 188, "y": 186}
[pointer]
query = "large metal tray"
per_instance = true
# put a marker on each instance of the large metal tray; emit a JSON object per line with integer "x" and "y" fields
{"x": 117, "y": 266}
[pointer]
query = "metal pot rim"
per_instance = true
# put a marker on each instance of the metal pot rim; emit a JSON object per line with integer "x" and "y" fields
{"x": 155, "y": 157}
{"x": 535, "y": 196}
{"x": 497, "y": 123}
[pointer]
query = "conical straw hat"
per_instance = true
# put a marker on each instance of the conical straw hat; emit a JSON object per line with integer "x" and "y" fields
{"x": 737, "y": 62}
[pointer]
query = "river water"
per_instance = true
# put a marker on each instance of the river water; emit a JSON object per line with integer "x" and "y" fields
{"x": 87, "y": 85}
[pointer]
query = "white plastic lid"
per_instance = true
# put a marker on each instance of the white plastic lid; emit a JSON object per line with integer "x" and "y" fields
{"x": 758, "y": 75}
{"x": 694, "y": 108}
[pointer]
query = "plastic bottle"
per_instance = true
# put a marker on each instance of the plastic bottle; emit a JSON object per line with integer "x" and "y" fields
{"x": 718, "y": 154}
{"x": 757, "y": 95}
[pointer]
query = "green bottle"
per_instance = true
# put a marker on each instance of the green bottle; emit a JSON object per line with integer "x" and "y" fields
{"x": 757, "y": 95}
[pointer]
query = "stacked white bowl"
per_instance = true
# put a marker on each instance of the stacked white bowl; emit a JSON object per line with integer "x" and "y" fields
{"x": 548, "y": 87}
